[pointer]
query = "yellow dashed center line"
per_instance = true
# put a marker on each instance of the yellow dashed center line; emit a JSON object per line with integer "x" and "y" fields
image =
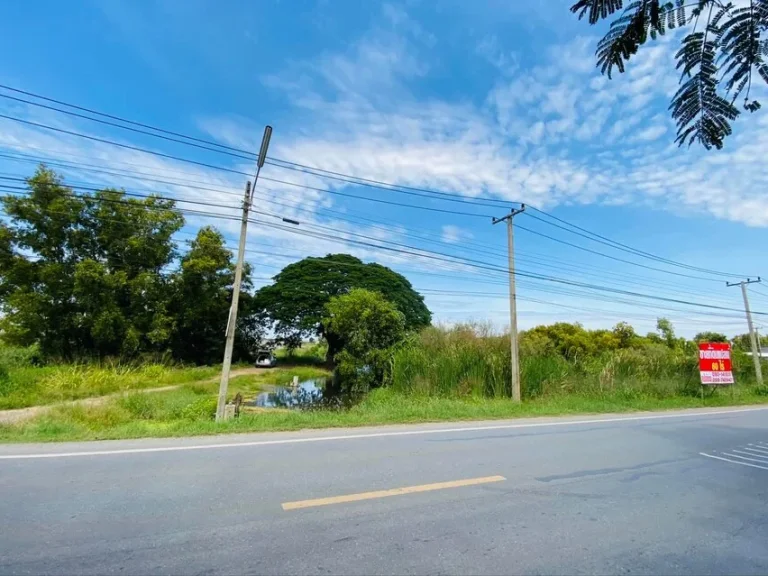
{"x": 392, "y": 492}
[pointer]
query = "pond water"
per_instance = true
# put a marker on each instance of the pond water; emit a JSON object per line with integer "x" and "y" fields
{"x": 307, "y": 393}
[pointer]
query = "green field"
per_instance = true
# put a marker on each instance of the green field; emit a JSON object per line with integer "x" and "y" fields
{"x": 438, "y": 375}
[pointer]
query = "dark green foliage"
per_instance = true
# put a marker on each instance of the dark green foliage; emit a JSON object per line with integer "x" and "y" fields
{"x": 81, "y": 275}
{"x": 727, "y": 50}
{"x": 701, "y": 113}
{"x": 710, "y": 337}
{"x": 200, "y": 301}
{"x": 742, "y": 342}
{"x": 368, "y": 327}
{"x": 597, "y": 9}
{"x": 295, "y": 302}
{"x": 88, "y": 276}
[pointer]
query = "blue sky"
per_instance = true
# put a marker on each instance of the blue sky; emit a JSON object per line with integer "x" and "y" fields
{"x": 484, "y": 99}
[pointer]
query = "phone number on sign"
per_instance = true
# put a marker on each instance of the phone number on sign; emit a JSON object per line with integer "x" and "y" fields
{"x": 717, "y": 377}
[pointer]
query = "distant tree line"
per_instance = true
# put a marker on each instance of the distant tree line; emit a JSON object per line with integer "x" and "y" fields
{"x": 100, "y": 275}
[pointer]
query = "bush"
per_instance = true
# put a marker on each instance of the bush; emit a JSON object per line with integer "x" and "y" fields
{"x": 367, "y": 327}
{"x": 202, "y": 409}
{"x": 140, "y": 406}
{"x": 5, "y": 380}
{"x": 16, "y": 356}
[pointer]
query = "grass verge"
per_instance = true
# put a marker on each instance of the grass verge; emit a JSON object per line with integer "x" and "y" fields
{"x": 188, "y": 411}
{"x": 41, "y": 385}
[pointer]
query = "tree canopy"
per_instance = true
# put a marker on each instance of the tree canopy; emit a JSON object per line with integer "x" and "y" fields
{"x": 367, "y": 326}
{"x": 295, "y": 302}
{"x": 710, "y": 337}
{"x": 87, "y": 275}
{"x": 724, "y": 52}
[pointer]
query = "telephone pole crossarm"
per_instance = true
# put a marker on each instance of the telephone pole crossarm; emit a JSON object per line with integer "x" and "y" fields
{"x": 513, "y": 346}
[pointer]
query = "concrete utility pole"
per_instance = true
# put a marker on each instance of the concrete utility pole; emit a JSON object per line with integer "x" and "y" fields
{"x": 232, "y": 320}
{"x": 513, "y": 357}
{"x": 752, "y": 339}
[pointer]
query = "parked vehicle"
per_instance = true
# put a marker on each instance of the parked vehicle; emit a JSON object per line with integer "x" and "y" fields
{"x": 265, "y": 359}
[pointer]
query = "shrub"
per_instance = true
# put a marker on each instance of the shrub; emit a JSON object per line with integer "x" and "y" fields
{"x": 17, "y": 356}
{"x": 202, "y": 409}
{"x": 5, "y": 380}
{"x": 140, "y": 405}
{"x": 368, "y": 327}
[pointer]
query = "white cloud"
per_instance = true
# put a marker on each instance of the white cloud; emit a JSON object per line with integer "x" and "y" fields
{"x": 527, "y": 141}
{"x": 455, "y": 235}
{"x": 551, "y": 133}
{"x": 490, "y": 49}
{"x": 651, "y": 133}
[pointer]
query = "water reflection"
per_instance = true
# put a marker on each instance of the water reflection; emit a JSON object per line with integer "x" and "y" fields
{"x": 307, "y": 393}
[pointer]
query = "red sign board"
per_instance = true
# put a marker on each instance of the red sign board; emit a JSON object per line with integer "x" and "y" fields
{"x": 715, "y": 363}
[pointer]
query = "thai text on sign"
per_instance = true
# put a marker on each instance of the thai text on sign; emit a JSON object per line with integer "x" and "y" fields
{"x": 715, "y": 363}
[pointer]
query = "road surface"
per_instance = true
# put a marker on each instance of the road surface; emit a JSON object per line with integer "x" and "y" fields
{"x": 671, "y": 493}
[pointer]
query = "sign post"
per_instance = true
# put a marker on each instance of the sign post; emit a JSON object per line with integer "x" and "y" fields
{"x": 715, "y": 364}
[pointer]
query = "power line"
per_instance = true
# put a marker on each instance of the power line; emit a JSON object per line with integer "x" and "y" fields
{"x": 232, "y": 151}
{"x": 449, "y": 258}
{"x": 344, "y": 216}
{"x": 213, "y": 166}
{"x": 604, "y": 255}
{"x": 466, "y": 214}
{"x": 314, "y": 234}
{"x": 392, "y": 203}
{"x": 571, "y": 244}
{"x": 339, "y": 176}
{"x": 625, "y": 247}
{"x": 126, "y": 146}
{"x": 456, "y": 260}
{"x": 433, "y": 195}
{"x": 446, "y": 198}
{"x": 126, "y": 121}
{"x": 483, "y": 265}
{"x": 136, "y": 130}
{"x": 454, "y": 277}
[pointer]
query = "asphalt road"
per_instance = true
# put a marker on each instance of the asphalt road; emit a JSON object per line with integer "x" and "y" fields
{"x": 668, "y": 494}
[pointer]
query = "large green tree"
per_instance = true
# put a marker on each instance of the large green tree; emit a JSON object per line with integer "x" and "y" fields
{"x": 81, "y": 275}
{"x": 368, "y": 328}
{"x": 295, "y": 302}
{"x": 724, "y": 52}
{"x": 201, "y": 300}
{"x": 89, "y": 275}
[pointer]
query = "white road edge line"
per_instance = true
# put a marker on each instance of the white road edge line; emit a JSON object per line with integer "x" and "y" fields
{"x": 733, "y": 461}
{"x": 756, "y": 448}
{"x": 376, "y": 435}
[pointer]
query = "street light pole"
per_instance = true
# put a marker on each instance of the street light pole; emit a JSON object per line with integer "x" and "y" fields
{"x": 232, "y": 319}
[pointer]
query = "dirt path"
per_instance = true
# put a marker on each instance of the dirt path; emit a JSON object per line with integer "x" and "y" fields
{"x": 20, "y": 414}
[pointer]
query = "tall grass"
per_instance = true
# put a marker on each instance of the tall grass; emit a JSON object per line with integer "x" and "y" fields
{"x": 466, "y": 361}
{"x": 23, "y": 386}
{"x": 472, "y": 361}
